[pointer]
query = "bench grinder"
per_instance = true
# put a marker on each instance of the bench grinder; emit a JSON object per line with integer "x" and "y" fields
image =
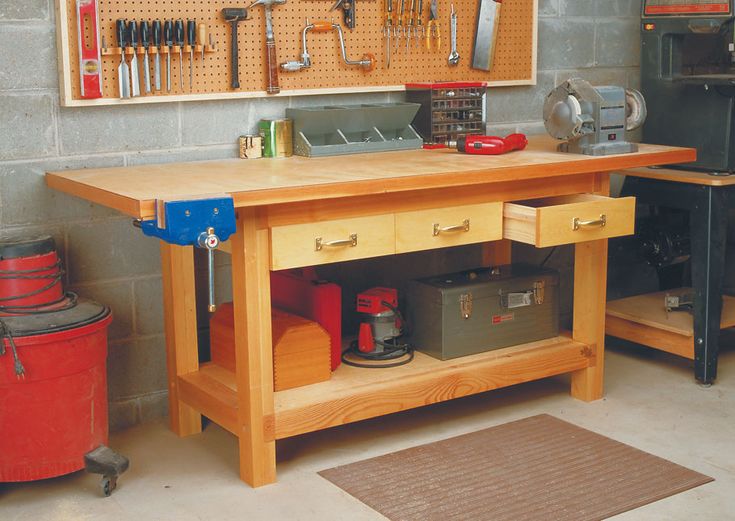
{"x": 593, "y": 119}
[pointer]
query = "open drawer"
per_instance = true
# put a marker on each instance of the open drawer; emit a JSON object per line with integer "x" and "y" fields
{"x": 568, "y": 219}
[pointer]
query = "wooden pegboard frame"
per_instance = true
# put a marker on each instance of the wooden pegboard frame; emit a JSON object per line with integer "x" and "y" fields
{"x": 515, "y": 58}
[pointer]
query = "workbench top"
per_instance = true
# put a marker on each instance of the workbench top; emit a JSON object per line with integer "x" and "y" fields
{"x": 133, "y": 190}
{"x": 681, "y": 176}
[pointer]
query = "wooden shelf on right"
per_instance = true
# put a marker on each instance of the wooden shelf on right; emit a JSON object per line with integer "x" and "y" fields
{"x": 643, "y": 319}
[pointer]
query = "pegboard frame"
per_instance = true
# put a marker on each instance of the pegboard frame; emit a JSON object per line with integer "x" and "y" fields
{"x": 66, "y": 88}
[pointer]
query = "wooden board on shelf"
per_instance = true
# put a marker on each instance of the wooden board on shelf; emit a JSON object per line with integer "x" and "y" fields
{"x": 643, "y": 319}
{"x": 515, "y": 58}
{"x": 354, "y": 394}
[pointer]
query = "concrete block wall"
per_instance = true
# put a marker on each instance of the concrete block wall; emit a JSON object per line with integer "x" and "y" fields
{"x": 108, "y": 260}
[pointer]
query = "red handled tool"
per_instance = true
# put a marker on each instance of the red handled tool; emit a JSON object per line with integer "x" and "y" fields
{"x": 90, "y": 64}
{"x": 491, "y": 145}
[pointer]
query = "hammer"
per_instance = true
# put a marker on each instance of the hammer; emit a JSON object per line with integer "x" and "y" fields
{"x": 234, "y": 15}
{"x": 270, "y": 44}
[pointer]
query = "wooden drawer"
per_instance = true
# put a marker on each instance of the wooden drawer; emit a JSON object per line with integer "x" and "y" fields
{"x": 323, "y": 242}
{"x": 568, "y": 219}
{"x": 454, "y": 226}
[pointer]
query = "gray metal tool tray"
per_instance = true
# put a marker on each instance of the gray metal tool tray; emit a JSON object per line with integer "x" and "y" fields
{"x": 479, "y": 310}
{"x": 353, "y": 129}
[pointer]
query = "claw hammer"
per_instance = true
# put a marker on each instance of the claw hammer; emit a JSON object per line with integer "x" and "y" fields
{"x": 270, "y": 44}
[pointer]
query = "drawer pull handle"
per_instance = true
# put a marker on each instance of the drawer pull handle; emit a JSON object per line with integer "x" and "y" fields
{"x": 464, "y": 227}
{"x": 598, "y": 223}
{"x": 351, "y": 242}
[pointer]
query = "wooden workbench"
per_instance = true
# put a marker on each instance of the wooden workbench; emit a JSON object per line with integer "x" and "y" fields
{"x": 391, "y": 201}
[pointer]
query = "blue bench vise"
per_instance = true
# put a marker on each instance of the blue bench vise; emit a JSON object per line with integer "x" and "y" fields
{"x": 202, "y": 222}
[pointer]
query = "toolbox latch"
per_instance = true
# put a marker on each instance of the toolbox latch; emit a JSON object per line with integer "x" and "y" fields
{"x": 539, "y": 290}
{"x": 520, "y": 299}
{"x": 465, "y": 305}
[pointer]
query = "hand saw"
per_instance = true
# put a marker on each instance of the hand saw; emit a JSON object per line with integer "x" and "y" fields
{"x": 90, "y": 63}
{"x": 486, "y": 34}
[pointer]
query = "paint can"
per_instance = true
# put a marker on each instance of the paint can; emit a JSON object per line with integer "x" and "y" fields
{"x": 277, "y": 137}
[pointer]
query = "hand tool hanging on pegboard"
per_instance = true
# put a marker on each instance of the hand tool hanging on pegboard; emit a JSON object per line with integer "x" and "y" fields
{"x": 191, "y": 35}
{"x": 168, "y": 40}
{"x": 433, "y": 37}
{"x": 486, "y": 34}
{"x": 90, "y": 61}
{"x": 366, "y": 62}
{"x": 123, "y": 72}
{"x": 388, "y": 30}
{"x": 453, "y": 59}
{"x": 145, "y": 42}
{"x": 270, "y": 44}
{"x": 348, "y": 12}
{"x": 202, "y": 36}
{"x": 179, "y": 41}
{"x": 133, "y": 39}
{"x": 157, "y": 43}
{"x": 234, "y": 15}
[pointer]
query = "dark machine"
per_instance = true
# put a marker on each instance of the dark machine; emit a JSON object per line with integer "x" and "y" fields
{"x": 688, "y": 78}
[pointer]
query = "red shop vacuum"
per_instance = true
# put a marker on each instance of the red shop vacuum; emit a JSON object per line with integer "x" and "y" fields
{"x": 53, "y": 382}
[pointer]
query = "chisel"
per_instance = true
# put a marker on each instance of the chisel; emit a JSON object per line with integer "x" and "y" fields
{"x": 202, "y": 36}
{"x": 168, "y": 40}
{"x": 191, "y": 35}
{"x": 123, "y": 73}
{"x": 133, "y": 35}
{"x": 157, "y": 57}
{"x": 179, "y": 41}
{"x": 145, "y": 42}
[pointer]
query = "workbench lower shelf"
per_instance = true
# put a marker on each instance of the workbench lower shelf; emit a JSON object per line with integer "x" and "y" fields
{"x": 354, "y": 394}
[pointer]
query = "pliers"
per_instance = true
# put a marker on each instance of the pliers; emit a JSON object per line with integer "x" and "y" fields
{"x": 433, "y": 38}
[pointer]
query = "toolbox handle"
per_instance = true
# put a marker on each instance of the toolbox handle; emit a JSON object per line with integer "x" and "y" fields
{"x": 351, "y": 242}
{"x": 577, "y": 223}
{"x": 464, "y": 227}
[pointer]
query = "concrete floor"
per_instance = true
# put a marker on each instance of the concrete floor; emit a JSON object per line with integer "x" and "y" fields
{"x": 651, "y": 403}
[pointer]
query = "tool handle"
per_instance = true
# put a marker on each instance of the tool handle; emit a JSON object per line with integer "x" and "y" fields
{"x": 133, "y": 33}
{"x": 179, "y": 32}
{"x": 191, "y": 32}
{"x": 272, "y": 58}
{"x": 235, "y": 73}
{"x": 120, "y": 29}
{"x": 168, "y": 33}
{"x": 144, "y": 34}
{"x": 321, "y": 27}
{"x": 157, "y": 33}
{"x": 202, "y": 34}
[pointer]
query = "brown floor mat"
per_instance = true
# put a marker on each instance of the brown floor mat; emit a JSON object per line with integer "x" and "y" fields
{"x": 539, "y": 468}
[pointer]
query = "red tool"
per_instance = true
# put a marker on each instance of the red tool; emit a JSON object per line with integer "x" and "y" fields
{"x": 90, "y": 64}
{"x": 491, "y": 145}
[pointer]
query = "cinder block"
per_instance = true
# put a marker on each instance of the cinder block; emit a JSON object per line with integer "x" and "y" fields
{"x": 110, "y": 250}
{"x": 153, "y": 406}
{"x": 204, "y": 153}
{"x": 28, "y": 57}
{"x": 26, "y": 126}
{"x": 596, "y": 75}
{"x": 512, "y": 104}
{"x": 216, "y": 122}
{"x": 548, "y": 7}
{"x": 345, "y": 99}
{"x": 123, "y": 414}
{"x": 88, "y": 130}
{"x": 580, "y": 7}
{"x": 148, "y": 306}
{"x": 118, "y": 296}
{"x": 27, "y": 199}
{"x": 24, "y": 10}
{"x": 136, "y": 368}
{"x": 631, "y": 8}
{"x": 618, "y": 43}
{"x": 565, "y": 43}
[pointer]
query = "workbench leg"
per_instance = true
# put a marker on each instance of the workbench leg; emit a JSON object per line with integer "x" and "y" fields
{"x": 180, "y": 322}
{"x": 496, "y": 253}
{"x": 708, "y": 224}
{"x": 590, "y": 275}
{"x": 253, "y": 350}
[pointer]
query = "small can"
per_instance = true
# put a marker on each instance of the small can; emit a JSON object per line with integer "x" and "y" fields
{"x": 277, "y": 137}
{"x": 251, "y": 146}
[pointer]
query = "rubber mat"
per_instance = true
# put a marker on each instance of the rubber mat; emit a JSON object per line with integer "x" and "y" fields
{"x": 538, "y": 468}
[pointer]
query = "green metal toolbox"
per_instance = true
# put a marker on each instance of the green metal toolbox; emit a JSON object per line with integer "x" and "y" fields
{"x": 479, "y": 310}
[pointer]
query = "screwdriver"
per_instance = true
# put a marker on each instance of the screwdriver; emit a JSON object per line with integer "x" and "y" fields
{"x": 145, "y": 42}
{"x": 157, "y": 61}
{"x": 202, "y": 34}
{"x": 191, "y": 33}
{"x": 168, "y": 39}
{"x": 179, "y": 40}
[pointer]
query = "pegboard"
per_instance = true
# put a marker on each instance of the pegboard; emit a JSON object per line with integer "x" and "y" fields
{"x": 515, "y": 55}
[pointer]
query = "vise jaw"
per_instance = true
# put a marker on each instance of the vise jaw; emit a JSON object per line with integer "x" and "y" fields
{"x": 183, "y": 221}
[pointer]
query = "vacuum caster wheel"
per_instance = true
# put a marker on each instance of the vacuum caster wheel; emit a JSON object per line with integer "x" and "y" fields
{"x": 108, "y": 484}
